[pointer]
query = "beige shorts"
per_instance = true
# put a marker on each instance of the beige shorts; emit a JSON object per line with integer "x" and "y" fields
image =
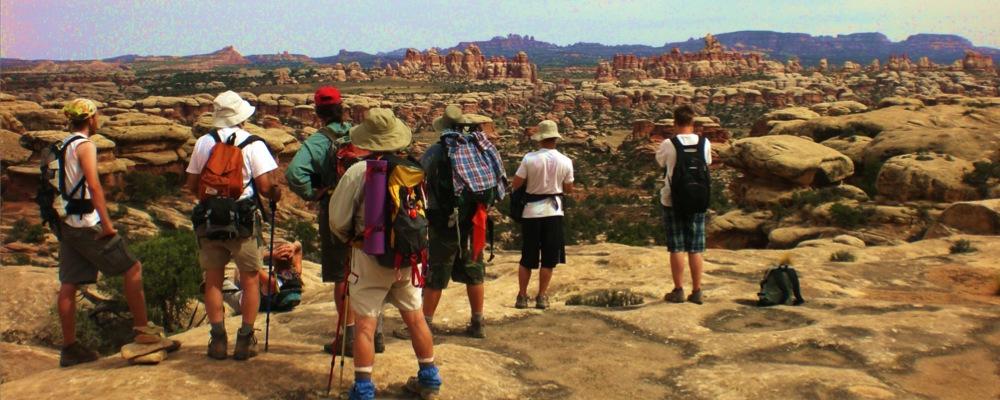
{"x": 373, "y": 285}
{"x": 215, "y": 254}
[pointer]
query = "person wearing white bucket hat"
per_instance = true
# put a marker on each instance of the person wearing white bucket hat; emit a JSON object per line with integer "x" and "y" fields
{"x": 229, "y": 109}
{"x": 546, "y": 176}
{"x": 226, "y": 218}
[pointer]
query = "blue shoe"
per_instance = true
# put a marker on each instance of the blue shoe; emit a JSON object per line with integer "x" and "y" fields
{"x": 362, "y": 390}
{"x": 427, "y": 383}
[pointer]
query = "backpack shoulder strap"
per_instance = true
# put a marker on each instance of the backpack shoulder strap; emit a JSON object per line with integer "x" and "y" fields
{"x": 250, "y": 140}
{"x": 215, "y": 135}
{"x": 62, "y": 169}
{"x": 702, "y": 143}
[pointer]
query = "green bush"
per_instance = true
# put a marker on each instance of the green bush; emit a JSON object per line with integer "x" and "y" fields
{"x": 850, "y": 217}
{"x": 981, "y": 176}
{"x": 719, "y": 200}
{"x": 306, "y": 233}
{"x": 842, "y": 256}
{"x": 25, "y": 232}
{"x": 144, "y": 187}
{"x": 962, "y": 246}
{"x": 171, "y": 276}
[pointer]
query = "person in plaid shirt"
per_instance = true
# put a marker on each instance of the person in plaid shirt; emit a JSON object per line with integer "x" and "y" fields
{"x": 464, "y": 176}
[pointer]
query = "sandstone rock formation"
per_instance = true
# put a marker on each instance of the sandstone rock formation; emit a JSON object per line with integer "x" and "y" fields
{"x": 710, "y": 61}
{"x": 469, "y": 64}
{"x": 973, "y": 217}
{"x": 791, "y": 159}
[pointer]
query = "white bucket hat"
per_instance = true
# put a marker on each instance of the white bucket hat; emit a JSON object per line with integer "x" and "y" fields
{"x": 229, "y": 109}
{"x": 546, "y": 130}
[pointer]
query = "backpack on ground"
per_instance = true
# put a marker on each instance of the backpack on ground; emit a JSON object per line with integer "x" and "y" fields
{"x": 398, "y": 234}
{"x": 690, "y": 183}
{"x": 780, "y": 286}
{"x": 220, "y": 185}
{"x": 288, "y": 296}
{"x": 342, "y": 154}
{"x": 54, "y": 202}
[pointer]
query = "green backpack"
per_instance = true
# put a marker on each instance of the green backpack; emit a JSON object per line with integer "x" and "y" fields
{"x": 780, "y": 286}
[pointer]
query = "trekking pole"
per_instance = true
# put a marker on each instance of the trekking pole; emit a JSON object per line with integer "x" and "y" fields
{"x": 270, "y": 276}
{"x": 343, "y": 339}
{"x": 341, "y": 324}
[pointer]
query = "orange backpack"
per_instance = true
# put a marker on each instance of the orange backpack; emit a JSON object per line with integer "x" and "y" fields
{"x": 222, "y": 175}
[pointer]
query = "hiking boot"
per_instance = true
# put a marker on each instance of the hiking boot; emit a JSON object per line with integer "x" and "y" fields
{"x": 542, "y": 302}
{"x": 521, "y": 302}
{"x": 404, "y": 333}
{"x": 695, "y": 297}
{"x": 476, "y": 330}
{"x": 246, "y": 346}
{"x": 362, "y": 390}
{"x": 75, "y": 354}
{"x": 676, "y": 296}
{"x": 427, "y": 383}
{"x": 379, "y": 343}
{"x": 217, "y": 346}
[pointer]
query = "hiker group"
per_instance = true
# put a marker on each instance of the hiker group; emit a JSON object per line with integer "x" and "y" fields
{"x": 392, "y": 228}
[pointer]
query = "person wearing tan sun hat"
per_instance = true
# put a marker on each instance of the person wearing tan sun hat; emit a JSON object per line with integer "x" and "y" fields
{"x": 370, "y": 283}
{"x": 546, "y": 175}
{"x": 89, "y": 243}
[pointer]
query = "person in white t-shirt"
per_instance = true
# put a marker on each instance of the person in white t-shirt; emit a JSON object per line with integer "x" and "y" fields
{"x": 548, "y": 175}
{"x": 230, "y": 112}
{"x": 88, "y": 241}
{"x": 685, "y": 233}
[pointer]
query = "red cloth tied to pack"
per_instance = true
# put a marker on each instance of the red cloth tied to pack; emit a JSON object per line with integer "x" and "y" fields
{"x": 478, "y": 232}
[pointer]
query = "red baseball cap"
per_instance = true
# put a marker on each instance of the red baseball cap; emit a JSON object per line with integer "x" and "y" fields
{"x": 327, "y": 95}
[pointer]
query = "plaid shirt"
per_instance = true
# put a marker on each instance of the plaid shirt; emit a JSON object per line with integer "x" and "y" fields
{"x": 476, "y": 163}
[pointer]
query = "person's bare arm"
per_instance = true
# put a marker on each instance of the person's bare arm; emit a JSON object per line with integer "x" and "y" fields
{"x": 518, "y": 182}
{"x": 86, "y": 152}
{"x": 267, "y": 187}
{"x": 191, "y": 185}
{"x": 567, "y": 187}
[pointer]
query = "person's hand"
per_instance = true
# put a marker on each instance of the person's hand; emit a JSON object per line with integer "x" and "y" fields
{"x": 275, "y": 194}
{"x": 284, "y": 252}
{"x": 107, "y": 231}
{"x": 319, "y": 193}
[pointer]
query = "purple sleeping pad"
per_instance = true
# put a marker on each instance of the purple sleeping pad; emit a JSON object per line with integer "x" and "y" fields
{"x": 375, "y": 186}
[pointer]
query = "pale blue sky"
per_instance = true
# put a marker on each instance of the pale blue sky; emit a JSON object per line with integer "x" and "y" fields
{"x": 76, "y": 29}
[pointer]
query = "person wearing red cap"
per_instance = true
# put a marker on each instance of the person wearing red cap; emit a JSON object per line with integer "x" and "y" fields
{"x": 312, "y": 175}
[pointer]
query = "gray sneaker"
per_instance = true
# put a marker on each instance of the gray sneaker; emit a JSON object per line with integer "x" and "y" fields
{"x": 542, "y": 302}
{"x": 521, "y": 302}
{"x": 476, "y": 330}
{"x": 676, "y": 296}
{"x": 75, "y": 354}
{"x": 695, "y": 297}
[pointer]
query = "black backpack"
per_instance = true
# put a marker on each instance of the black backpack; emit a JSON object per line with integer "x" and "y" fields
{"x": 780, "y": 286}
{"x": 51, "y": 194}
{"x": 690, "y": 184}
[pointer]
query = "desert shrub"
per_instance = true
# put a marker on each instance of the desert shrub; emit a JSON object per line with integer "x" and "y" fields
{"x": 307, "y": 234}
{"x": 869, "y": 177}
{"x": 962, "y": 246}
{"x": 25, "y": 232}
{"x": 144, "y": 187}
{"x": 981, "y": 176}
{"x": 17, "y": 259}
{"x": 170, "y": 273}
{"x": 842, "y": 256}
{"x": 719, "y": 200}
{"x": 815, "y": 197}
{"x": 849, "y": 217}
{"x": 606, "y": 298}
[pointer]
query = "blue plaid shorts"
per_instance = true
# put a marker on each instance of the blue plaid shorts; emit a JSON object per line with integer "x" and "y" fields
{"x": 684, "y": 234}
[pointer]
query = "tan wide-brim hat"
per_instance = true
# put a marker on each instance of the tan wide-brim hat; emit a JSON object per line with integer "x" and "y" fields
{"x": 229, "y": 109}
{"x": 473, "y": 119}
{"x": 381, "y": 131}
{"x": 546, "y": 130}
{"x": 452, "y": 113}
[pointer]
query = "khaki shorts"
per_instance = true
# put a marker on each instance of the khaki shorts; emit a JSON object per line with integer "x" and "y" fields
{"x": 215, "y": 254}
{"x": 81, "y": 255}
{"x": 372, "y": 285}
